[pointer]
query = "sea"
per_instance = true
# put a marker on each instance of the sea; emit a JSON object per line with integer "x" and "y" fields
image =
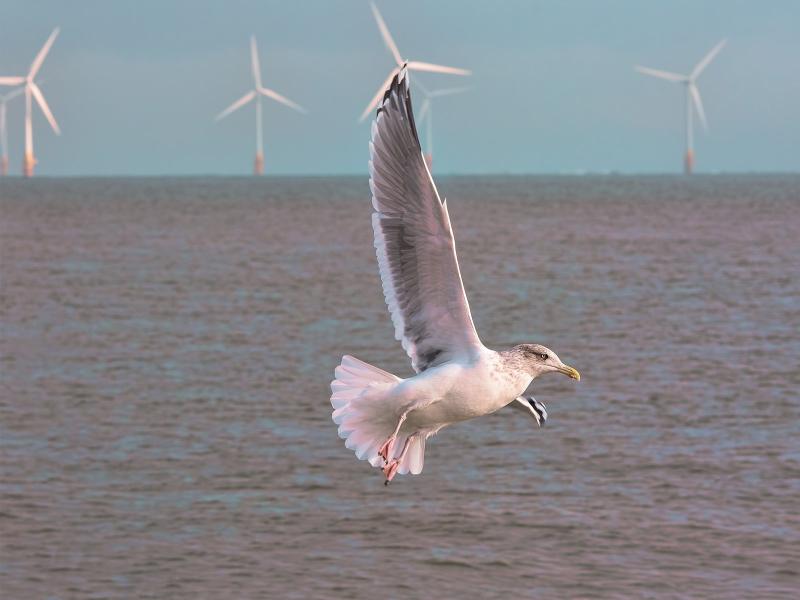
{"x": 167, "y": 346}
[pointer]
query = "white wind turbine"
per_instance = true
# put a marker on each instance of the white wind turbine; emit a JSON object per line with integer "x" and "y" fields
{"x": 426, "y": 114}
{"x": 413, "y": 65}
{"x": 4, "y": 128}
{"x": 692, "y": 98}
{"x": 256, "y": 93}
{"x": 32, "y": 90}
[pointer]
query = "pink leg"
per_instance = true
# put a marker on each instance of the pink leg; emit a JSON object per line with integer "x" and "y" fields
{"x": 387, "y": 449}
{"x": 390, "y": 470}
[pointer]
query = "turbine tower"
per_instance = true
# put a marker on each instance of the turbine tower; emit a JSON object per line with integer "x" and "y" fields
{"x": 413, "y": 65}
{"x": 426, "y": 114}
{"x": 256, "y": 93}
{"x": 3, "y": 129}
{"x": 692, "y": 98}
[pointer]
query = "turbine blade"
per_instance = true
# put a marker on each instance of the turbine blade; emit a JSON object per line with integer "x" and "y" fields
{"x": 449, "y": 92}
{"x": 282, "y": 99}
{"x": 423, "y": 66}
{"x": 423, "y": 89}
{"x": 376, "y": 98}
{"x": 11, "y": 80}
{"x": 236, "y": 105}
{"x": 37, "y": 93}
{"x": 18, "y": 91}
{"x": 707, "y": 59}
{"x": 387, "y": 37}
{"x": 426, "y": 105}
{"x": 661, "y": 74}
{"x": 256, "y": 66}
{"x": 698, "y": 104}
{"x": 37, "y": 62}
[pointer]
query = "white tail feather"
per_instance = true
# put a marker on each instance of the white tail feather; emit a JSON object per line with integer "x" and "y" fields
{"x": 363, "y": 410}
{"x": 415, "y": 457}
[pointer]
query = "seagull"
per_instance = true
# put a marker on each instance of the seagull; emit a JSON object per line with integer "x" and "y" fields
{"x": 385, "y": 419}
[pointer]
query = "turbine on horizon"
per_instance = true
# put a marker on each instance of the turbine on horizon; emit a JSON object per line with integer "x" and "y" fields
{"x": 4, "y": 128}
{"x": 413, "y": 65}
{"x": 32, "y": 90}
{"x": 692, "y": 98}
{"x": 426, "y": 114}
{"x": 256, "y": 93}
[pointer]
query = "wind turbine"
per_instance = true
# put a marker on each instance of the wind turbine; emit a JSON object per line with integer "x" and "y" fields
{"x": 32, "y": 90}
{"x": 692, "y": 98}
{"x": 426, "y": 113}
{"x": 256, "y": 93}
{"x": 413, "y": 65}
{"x": 3, "y": 129}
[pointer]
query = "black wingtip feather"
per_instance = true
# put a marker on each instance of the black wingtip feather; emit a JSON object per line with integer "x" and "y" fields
{"x": 402, "y": 90}
{"x": 401, "y": 77}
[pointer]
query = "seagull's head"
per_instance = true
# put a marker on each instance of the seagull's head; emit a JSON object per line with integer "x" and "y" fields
{"x": 538, "y": 359}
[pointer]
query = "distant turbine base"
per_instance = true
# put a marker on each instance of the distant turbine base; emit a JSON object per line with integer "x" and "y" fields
{"x": 4, "y": 166}
{"x": 258, "y": 164}
{"x": 688, "y": 162}
{"x": 28, "y": 161}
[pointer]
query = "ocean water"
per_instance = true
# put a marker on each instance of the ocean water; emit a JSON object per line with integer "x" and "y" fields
{"x": 167, "y": 347}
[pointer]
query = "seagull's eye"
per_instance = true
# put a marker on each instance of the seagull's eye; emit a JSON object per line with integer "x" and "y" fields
{"x": 543, "y": 356}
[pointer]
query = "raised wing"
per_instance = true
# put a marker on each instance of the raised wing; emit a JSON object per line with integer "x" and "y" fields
{"x": 414, "y": 240}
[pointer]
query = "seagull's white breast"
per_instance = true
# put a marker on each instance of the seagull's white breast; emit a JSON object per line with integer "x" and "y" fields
{"x": 458, "y": 391}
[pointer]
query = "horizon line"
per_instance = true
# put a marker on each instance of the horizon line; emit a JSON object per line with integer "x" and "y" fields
{"x": 365, "y": 174}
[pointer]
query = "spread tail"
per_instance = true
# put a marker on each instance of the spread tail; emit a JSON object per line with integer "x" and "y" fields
{"x": 366, "y": 416}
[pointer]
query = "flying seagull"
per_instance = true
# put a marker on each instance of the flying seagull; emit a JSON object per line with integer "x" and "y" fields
{"x": 386, "y": 419}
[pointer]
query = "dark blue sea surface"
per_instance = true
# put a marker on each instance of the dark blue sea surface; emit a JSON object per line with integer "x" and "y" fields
{"x": 167, "y": 346}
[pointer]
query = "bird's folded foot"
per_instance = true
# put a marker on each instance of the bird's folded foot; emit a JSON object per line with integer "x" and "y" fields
{"x": 385, "y": 450}
{"x": 390, "y": 470}
{"x": 539, "y": 410}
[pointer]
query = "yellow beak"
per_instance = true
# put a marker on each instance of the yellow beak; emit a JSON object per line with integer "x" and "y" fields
{"x": 570, "y": 372}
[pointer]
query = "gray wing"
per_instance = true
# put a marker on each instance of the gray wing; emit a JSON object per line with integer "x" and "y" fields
{"x": 414, "y": 240}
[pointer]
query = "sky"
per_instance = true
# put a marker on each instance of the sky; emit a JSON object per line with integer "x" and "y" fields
{"x": 135, "y": 86}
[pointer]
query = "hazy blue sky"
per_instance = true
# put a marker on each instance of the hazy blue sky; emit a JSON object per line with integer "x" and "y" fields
{"x": 135, "y": 85}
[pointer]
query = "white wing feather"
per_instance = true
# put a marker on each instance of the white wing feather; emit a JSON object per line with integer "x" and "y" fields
{"x": 414, "y": 241}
